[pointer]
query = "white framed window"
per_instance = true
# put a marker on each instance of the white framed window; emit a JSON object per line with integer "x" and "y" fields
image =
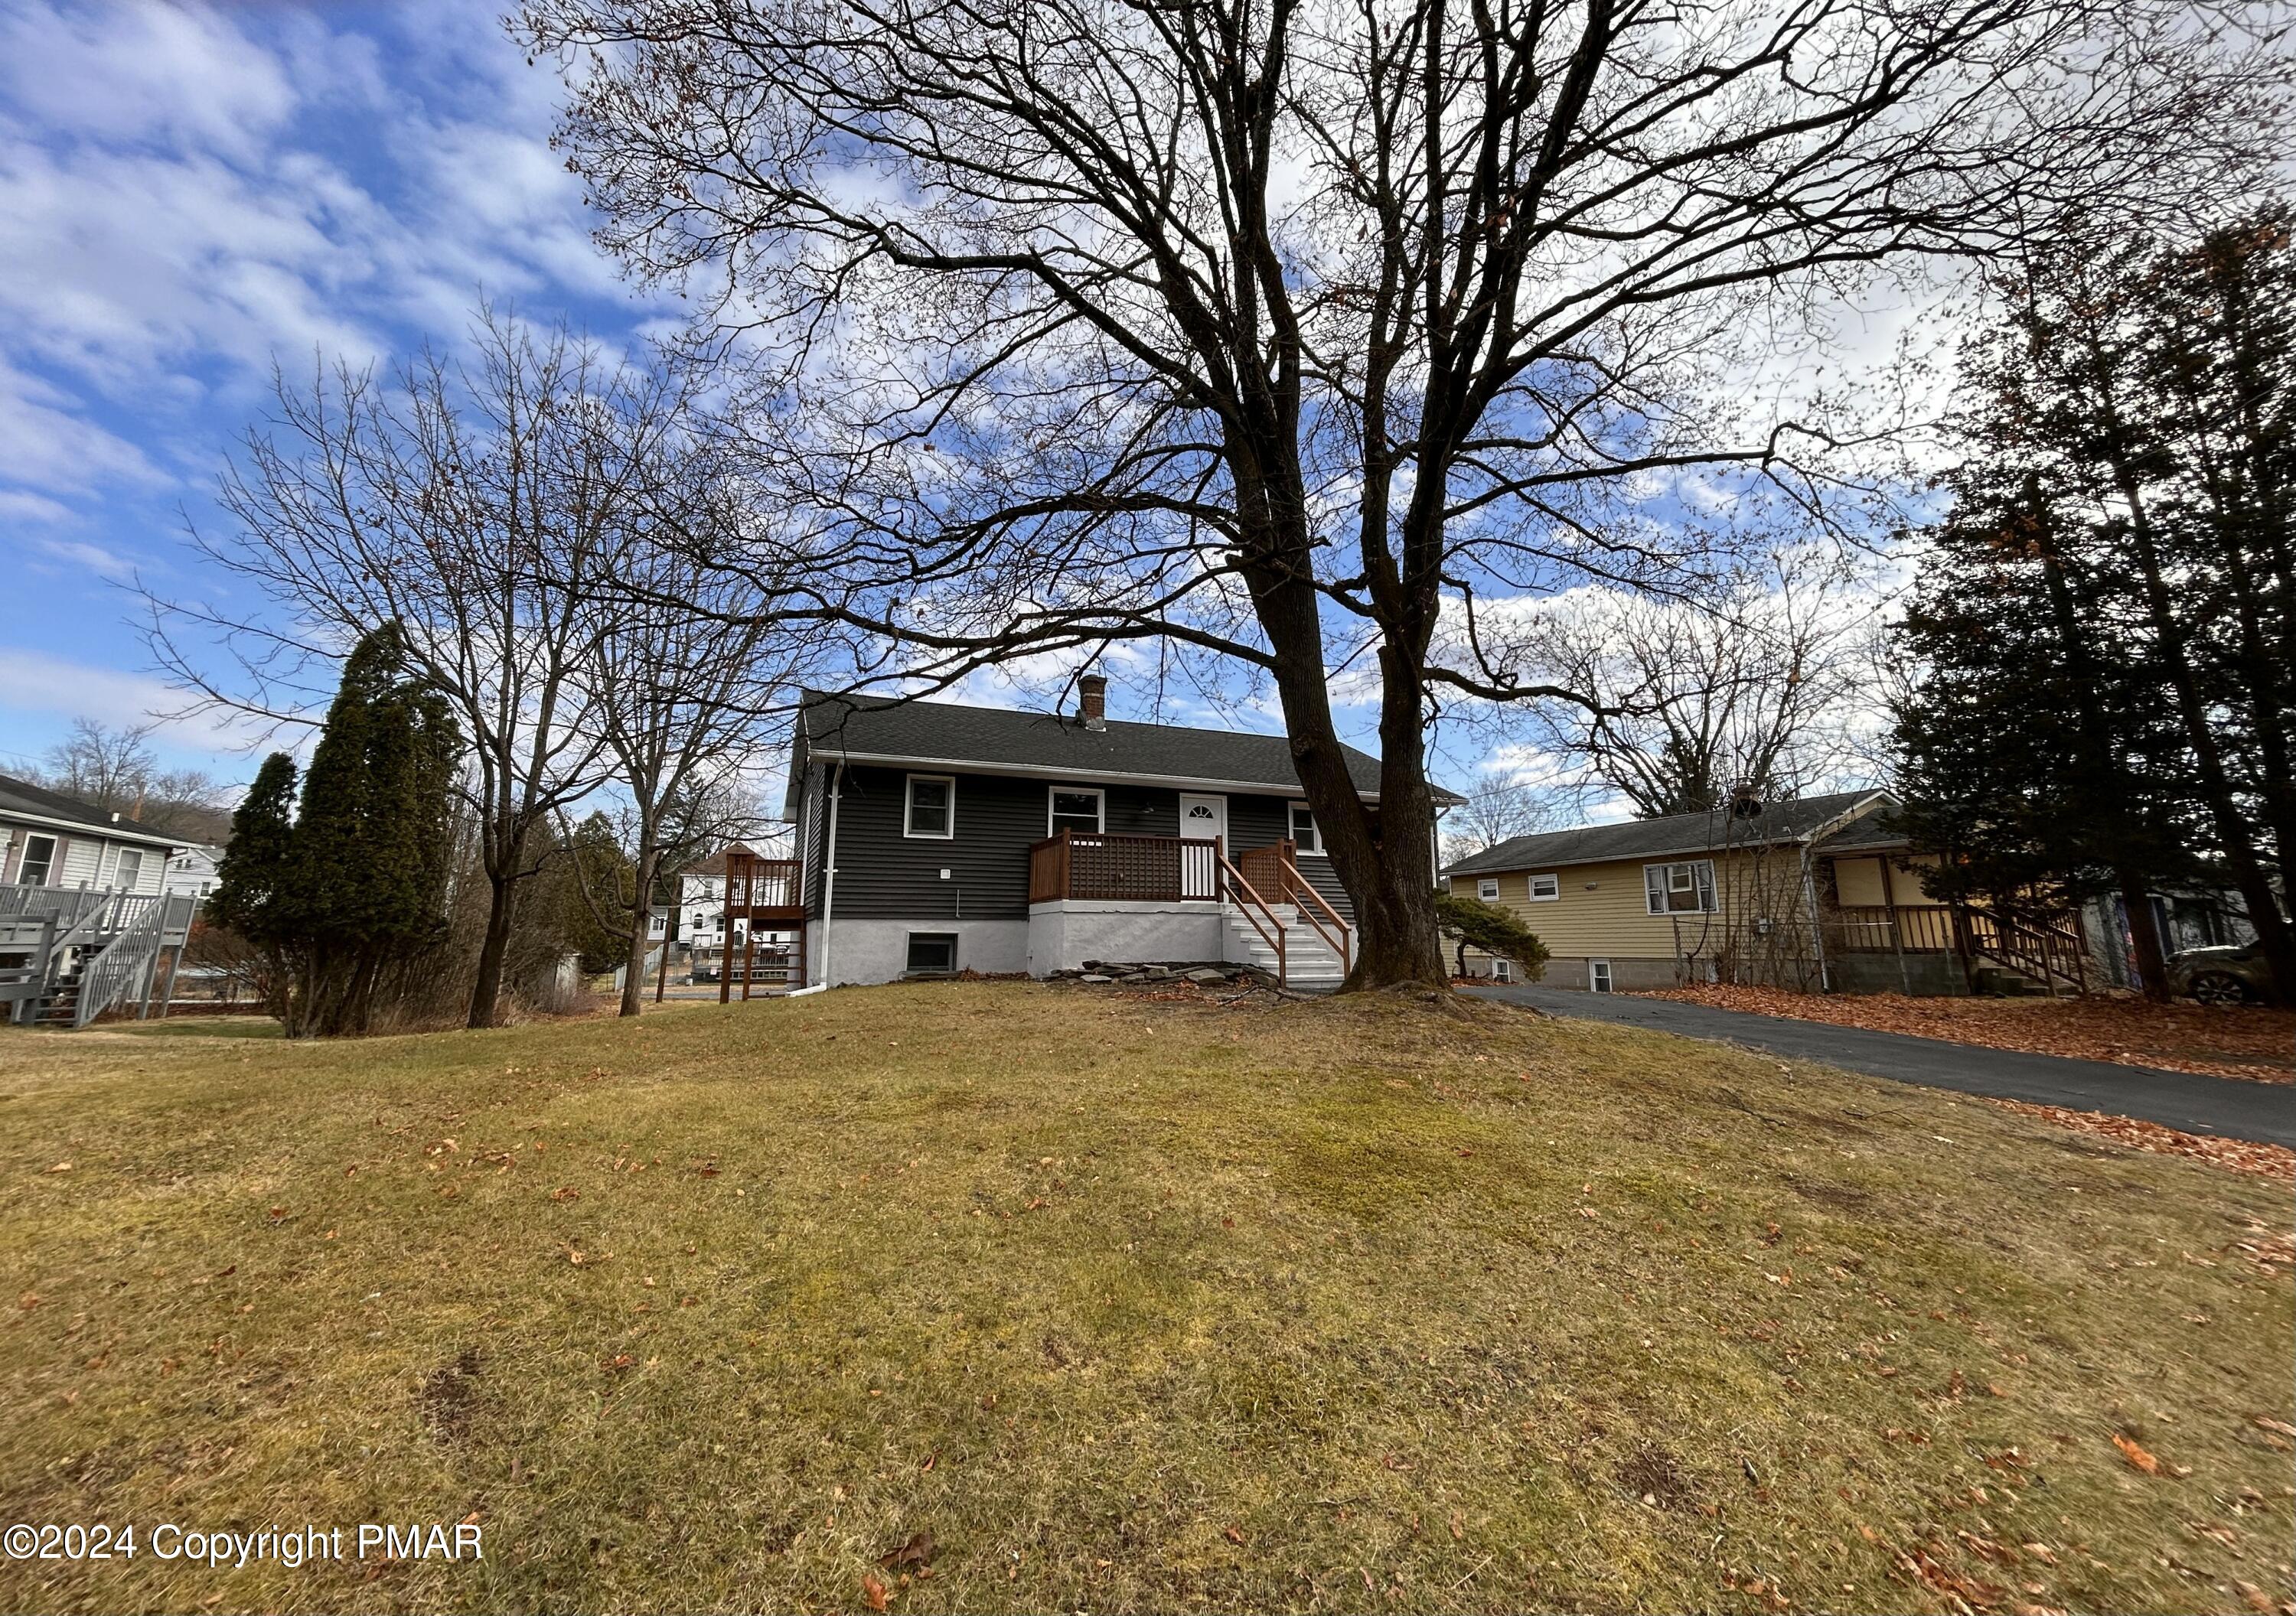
{"x": 39, "y": 859}
{"x": 1487, "y": 888}
{"x": 1304, "y": 830}
{"x": 932, "y": 952}
{"x": 1502, "y": 970}
{"x": 930, "y": 810}
{"x": 1598, "y": 976}
{"x": 127, "y": 870}
{"x": 1076, "y": 808}
{"x": 1683, "y": 888}
{"x": 1545, "y": 888}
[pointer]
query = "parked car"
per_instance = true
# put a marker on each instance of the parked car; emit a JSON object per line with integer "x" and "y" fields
{"x": 2229, "y": 974}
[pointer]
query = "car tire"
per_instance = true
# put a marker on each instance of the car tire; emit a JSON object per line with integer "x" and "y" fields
{"x": 2218, "y": 987}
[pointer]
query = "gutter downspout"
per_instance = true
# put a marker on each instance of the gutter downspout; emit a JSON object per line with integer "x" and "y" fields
{"x": 829, "y": 864}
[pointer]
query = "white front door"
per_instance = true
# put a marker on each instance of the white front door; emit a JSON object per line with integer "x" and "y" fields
{"x": 1202, "y": 818}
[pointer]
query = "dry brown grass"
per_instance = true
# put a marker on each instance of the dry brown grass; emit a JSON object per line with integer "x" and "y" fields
{"x": 1131, "y": 1305}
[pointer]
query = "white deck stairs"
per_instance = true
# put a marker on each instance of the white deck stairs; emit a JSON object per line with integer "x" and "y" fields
{"x": 1309, "y": 963}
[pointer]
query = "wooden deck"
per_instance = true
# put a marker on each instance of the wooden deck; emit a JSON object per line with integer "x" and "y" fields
{"x": 1110, "y": 867}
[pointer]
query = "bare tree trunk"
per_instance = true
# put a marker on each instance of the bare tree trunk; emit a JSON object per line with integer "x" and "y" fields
{"x": 633, "y": 975}
{"x": 502, "y": 904}
{"x": 2152, "y": 959}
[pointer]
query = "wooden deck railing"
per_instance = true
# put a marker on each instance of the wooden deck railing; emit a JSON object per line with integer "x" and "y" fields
{"x": 2049, "y": 948}
{"x": 1112, "y": 865}
{"x": 755, "y": 884}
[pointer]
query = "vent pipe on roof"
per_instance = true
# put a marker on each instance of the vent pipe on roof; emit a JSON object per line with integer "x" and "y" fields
{"x": 1092, "y": 705}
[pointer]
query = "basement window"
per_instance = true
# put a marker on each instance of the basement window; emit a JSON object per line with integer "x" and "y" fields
{"x": 932, "y": 953}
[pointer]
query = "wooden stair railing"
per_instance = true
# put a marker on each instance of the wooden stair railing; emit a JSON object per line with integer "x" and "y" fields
{"x": 1338, "y": 943}
{"x": 1255, "y": 910}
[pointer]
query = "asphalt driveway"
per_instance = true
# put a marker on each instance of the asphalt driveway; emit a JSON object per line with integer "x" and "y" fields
{"x": 2224, "y": 1105}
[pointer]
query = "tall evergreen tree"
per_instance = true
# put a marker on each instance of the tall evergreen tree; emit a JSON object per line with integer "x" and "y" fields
{"x": 2108, "y": 612}
{"x": 256, "y": 874}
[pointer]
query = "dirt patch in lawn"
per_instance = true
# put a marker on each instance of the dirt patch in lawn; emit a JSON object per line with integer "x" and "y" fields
{"x": 2247, "y": 1041}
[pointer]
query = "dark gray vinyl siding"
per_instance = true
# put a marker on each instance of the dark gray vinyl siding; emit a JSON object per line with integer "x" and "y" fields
{"x": 884, "y": 875}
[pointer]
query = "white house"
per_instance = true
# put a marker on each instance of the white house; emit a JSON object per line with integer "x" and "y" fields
{"x": 53, "y": 840}
{"x": 192, "y": 870}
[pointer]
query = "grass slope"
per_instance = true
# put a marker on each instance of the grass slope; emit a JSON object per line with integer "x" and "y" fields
{"x": 1132, "y": 1305}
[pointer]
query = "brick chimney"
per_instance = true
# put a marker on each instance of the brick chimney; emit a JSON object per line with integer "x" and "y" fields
{"x": 1091, "y": 706}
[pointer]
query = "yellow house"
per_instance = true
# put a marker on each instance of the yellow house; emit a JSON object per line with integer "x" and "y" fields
{"x": 1816, "y": 892}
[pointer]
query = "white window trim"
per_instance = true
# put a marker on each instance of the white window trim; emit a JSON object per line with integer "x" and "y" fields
{"x": 1316, "y": 851}
{"x": 908, "y": 807}
{"x": 1536, "y": 896}
{"x": 1502, "y": 970}
{"x": 1491, "y": 883}
{"x": 1710, "y": 897}
{"x": 1599, "y": 972}
{"x": 24, "y": 856}
{"x": 1099, "y": 795}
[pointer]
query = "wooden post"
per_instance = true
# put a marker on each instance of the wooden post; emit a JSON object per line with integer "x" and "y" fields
{"x": 749, "y": 957}
{"x": 1896, "y": 932}
{"x": 726, "y": 926}
{"x": 167, "y": 993}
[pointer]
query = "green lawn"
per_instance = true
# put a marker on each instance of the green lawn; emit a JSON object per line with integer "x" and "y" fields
{"x": 1130, "y": 1305}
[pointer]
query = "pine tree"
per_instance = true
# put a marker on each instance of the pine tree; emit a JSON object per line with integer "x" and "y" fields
{"x": 253, "y": 879}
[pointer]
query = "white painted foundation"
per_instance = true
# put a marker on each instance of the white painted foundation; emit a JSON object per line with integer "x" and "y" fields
{"x": 1064, "y": 934}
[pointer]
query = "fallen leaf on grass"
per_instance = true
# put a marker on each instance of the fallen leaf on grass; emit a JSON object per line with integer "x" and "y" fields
{"x": 917, "y": 1551}
{"x": 2282, "y": 1426}
{"x": 2150, "y": 1463}
{"x": 1232, "y": 1534}
{"x": 872, "y": 1592}
{"x": 566, "y": 1192}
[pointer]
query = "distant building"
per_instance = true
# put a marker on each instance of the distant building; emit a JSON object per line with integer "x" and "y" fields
{"x": 54, "y": 840}
{"x": 192, "y": 870}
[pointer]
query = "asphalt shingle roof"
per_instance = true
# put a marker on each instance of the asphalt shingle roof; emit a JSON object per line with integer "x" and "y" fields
{"x": 997, "y": 737}
{"x": 22, "y": 796}
{"x": 1679, "y": 833}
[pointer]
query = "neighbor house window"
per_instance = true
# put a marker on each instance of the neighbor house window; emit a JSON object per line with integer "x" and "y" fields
{"x": 931, "y": 951}
{"x": 1077, "y": 808}
{"x": 1686, "y": 888}
{"x": 128, "y": 870}
{"x": 932, "y": 806}
{"x": 1502, "y": 970}
{"x": 1598, "y": 976}
{"x": 1303, "y": 829}
{"x": 1488, "y": 889}
{"x": 1545, "y": 889}
{"x": 39, "y": 859}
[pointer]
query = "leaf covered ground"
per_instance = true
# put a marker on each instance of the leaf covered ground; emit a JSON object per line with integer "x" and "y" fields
{"x": 994, "y": 1297}
{"x": 2251, "y": 1042}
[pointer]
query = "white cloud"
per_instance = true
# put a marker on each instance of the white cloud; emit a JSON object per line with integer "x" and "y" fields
{"x": 90, "y": 558}
{"x": 42, "y": 685}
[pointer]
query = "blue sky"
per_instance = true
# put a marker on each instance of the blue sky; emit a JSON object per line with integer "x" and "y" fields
{"x": 193, "y": 192}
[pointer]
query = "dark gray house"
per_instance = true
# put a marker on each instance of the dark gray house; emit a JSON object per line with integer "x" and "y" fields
{"x": 935, "y": 837}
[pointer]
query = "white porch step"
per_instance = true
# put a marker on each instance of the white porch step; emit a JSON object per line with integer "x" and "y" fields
{"x": 1308, "y": 959}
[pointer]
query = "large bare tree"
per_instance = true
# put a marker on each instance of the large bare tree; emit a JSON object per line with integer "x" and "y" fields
{"x": 683, "y": 682}
{"x": 1761, "y": 683}
{"x": 1279, "y": 328}
{"x": 480, "y": 503}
